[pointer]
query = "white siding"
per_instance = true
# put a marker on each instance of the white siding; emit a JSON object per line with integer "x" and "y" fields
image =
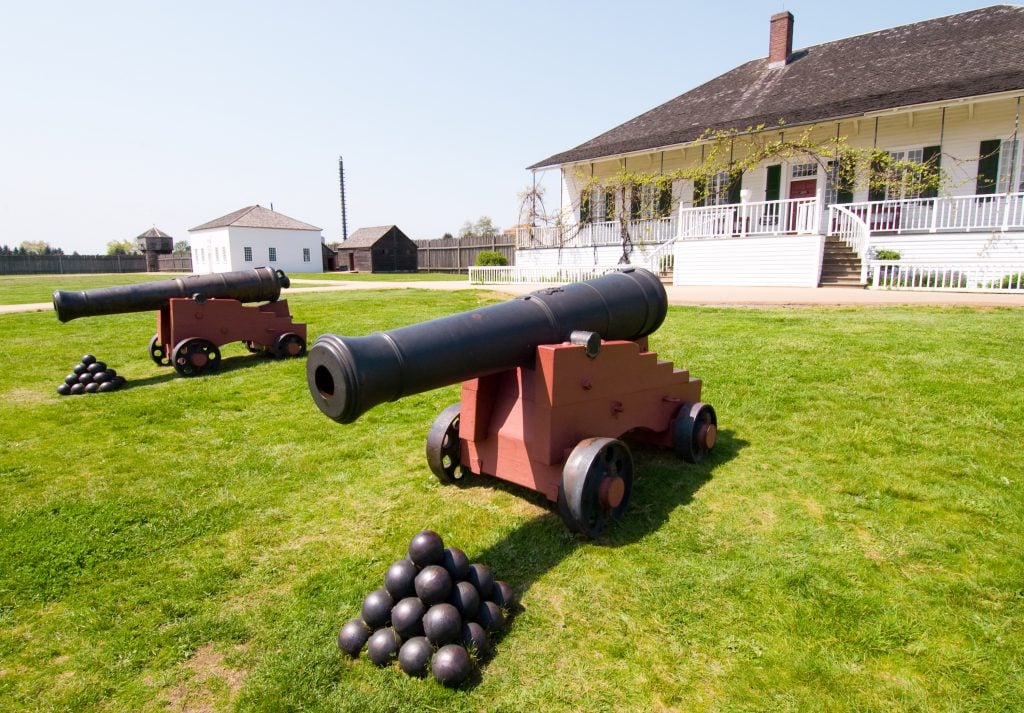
{"x": 778, "y": 262}
{"x": 223, "y": 249}
{"x": 569, "y": 257}
{"x": 955, "y": 248}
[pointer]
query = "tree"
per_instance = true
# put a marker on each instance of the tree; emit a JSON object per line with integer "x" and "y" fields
{"x": 182, "y": 247}
{"x": 483, "y": 228}
{"x": 35, "y": 247}
{"x": 120, "y": 247}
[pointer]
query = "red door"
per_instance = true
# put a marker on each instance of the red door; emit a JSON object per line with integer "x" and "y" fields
{"x": 800, "y": 189}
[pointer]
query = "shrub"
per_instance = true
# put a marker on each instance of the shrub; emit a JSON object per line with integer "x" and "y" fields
{"x": 491, "y": 258}
{"x": 887, "y": 254}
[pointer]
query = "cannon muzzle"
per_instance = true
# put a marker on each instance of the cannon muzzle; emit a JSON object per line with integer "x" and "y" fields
{"x": 349, "y": 375}
{"x": 262, "y": 284}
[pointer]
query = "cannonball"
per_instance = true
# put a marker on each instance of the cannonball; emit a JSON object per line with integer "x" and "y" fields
{"x": 101, "y": 377}
{"x": 489, "y": 616}
{"x": 465, "y": 598}
{"x": 71, "y": 379}
{"x": 407, "y": 617}
{"x": 113, "y": 373}
{"x": 414, "y": 656}
{"x": 64, "y": 389}
{"x": 88, "y": 359}
{"x": 433, "y": 584}
{"x": 92, "y": 387}
{"x": 474, "y": 638}
{"x": 376, "y": 610}
{"x": 96, "y": 367}
{"x": 85, "y": 378}
{"x": 79, "y": 369}
{"x": 353, "y": 636}
{"x": 107, "y": 386}
{"x": 451, "y": 665}
{"x": 426, "y": 548}
{"x": 77, "y": 389}
{"x": 399, "y": 578}
{"x": 383, "y": 645}
{"x": 455, "y": 561}
{"x": 442, "y": 624}
{"x": 502, "y": 594}
{"x": 120, "y": 381}
{"x": 480, "y": 577}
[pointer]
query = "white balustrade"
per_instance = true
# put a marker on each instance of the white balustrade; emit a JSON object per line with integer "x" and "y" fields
{"x": 516, "y": 275}
{"x": 1003, "y": 212}
{"x": 963, "y": 277}
{"x": 756, "y": 218}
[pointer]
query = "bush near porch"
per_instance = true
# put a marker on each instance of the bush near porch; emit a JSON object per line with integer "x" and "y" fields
{"x": 853, "y": 544}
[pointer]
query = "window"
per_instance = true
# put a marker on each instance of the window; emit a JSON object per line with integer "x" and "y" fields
{"x": 305, "y": 255}
{"x": 272, "y": 254}
{"x": 720, "y": 190}
{"x": 839, "y": 181}
{"x": 247, "y": 253}
{"x": 805, "y": 170}
{"x": 1011, "y": 177}
{"x": 904, "y": 183}
{"x": 585, "y": 207}
{"x": 607, "y": 204}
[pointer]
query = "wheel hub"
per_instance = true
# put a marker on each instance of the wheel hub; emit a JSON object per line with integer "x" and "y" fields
{"x": 707, "y": 435}
{"x": 611, "y": 491}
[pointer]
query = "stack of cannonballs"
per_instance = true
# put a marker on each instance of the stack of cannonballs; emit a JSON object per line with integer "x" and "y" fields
{"x": 90, "y": 376}
{"x": 434, "y": 613}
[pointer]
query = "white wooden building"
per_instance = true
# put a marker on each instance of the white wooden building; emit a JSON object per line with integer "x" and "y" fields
{"x": 946, "y": 91}
{"x": 255, "y": 236}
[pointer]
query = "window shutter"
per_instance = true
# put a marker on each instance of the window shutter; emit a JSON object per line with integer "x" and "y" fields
{"x": 932, "y": 159}
{"x": 876, "y": 193}
{"x": 585, "y": 207}
{"x": 665, "y": 201}
{"x": 773, "y": 182}
{"x": 735, "y": 186}
{"x": 988, "y": 167}
{"x": 634, "y": 203}
{"x": 700, "y": 195}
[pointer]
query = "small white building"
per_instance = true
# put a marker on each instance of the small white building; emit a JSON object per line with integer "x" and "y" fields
{"x": 256, "y": 237}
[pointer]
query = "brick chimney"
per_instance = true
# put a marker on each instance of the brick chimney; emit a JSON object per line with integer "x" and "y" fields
{"x": 780, "y": 44}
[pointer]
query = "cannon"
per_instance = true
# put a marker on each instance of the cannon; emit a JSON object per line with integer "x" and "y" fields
{"x": 553, "y": 385}
{"x": 199, "y": 314}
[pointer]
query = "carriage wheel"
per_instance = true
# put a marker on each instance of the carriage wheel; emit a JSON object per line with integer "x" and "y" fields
{"x": 444, "y": 450}
{"x": 596, "y": 483}
{"x": 158, "y": 352}
{"x": 193, "y": 357}
{"x": 695, "y": 432}
{"x": 289, "y": 344}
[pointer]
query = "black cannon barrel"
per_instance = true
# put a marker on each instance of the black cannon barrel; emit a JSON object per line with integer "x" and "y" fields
{"x": 349, "y": 375}
{"x": 262, "y": 284}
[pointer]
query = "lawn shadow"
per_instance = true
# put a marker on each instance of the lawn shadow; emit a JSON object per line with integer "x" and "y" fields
{"x": 227, "y": 365}
{"x": 662, "y": 483}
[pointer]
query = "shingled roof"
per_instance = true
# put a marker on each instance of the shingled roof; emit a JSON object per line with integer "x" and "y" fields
{"x": 968, "y": 54}
{"x": 153, "y": 232}
{"x": 255, "y": 216}
{"x": 366, "y": 237}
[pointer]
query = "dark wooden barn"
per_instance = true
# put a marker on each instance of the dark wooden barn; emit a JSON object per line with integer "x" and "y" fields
{"x": 381, "y": 249}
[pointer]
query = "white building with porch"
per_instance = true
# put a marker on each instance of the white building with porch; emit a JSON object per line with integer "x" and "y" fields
{"x": 945, "y": 93}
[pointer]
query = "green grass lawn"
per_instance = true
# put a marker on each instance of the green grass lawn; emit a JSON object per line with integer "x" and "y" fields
{"x": 854, "y": 543}
{"x": 26, "y": 289}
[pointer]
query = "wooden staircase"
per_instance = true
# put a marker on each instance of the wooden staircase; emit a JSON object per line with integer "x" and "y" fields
{"x": 840, "y": 266}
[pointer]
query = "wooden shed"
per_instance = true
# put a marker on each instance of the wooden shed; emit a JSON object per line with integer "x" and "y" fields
{"x": 382, "y": 249}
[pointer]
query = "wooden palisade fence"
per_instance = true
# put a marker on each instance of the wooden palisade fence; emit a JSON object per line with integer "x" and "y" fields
{"x": 458, "y": 254}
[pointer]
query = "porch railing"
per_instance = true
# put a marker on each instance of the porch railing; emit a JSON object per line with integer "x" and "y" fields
{"x": 1003, "y": 212}
{"x": 962, "y": 277}
{"x": 759, "y": 218}
{"x": 852, "y": 230}
{"x": 661, "y": 260}
{"x": 596, "y": 234}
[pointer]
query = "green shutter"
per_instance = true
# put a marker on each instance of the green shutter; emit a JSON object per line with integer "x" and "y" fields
{"x": 933, "y": 163}
{"x": 665, "y": 201}
{"x": 585, "y": 207}
{"x": 634, "y": 203}
{"x": 700, "y": 196}
{"x": 876, "y": 193}
{"x": 773, "y": 182}
{"x": 844, "y": 181}
{"x": 735, "y": 186}
{"x": 988, "y": 167}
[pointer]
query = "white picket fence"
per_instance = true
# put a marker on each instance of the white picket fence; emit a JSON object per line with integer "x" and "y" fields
{"x": 517, "y": 275}
{"x": 897, "y": 275}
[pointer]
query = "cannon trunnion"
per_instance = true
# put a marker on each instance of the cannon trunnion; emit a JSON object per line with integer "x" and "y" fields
{"x": 553, "y": 385}
{"x": 199, "y": 314}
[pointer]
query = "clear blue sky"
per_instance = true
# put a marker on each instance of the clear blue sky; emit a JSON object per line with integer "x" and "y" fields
{"x": 117, "y": 116}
